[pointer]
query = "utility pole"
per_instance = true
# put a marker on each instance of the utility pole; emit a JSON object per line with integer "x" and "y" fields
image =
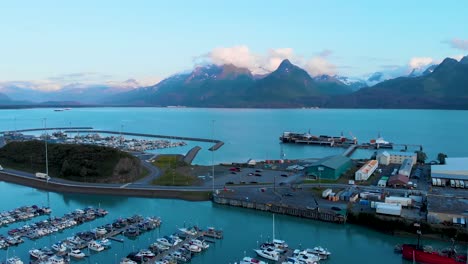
{"x": 212, "y": 155}
{"x": 45, "y": 140}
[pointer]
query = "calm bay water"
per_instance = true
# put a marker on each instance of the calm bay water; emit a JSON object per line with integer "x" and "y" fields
{"x": 247, "y": 133}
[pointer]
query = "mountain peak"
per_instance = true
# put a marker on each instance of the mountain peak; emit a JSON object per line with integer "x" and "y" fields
{"x": 285, "y": 64}
{"x": 464, "y": 60}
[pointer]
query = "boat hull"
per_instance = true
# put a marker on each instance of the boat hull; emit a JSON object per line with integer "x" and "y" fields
{"x": 411, "y": 252}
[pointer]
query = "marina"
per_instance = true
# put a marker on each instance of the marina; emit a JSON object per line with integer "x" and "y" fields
{"x": 22, "y": 213}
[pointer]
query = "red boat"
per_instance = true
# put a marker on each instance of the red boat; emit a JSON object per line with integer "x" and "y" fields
{"x": 418, "y": 254}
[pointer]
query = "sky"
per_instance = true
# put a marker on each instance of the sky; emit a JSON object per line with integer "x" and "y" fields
{"x": 50, "y": 43}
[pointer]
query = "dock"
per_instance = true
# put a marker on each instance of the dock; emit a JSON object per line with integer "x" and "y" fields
{"x": 191, "y": 154}
{"x": 350, "y": 151}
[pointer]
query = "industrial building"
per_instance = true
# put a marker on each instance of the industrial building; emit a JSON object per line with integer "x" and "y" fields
{"x": 330, "y": 168}
{"x": 453, "y": 173}
{"x": 446, "y": 209}
{"x": 406, "y": 166}
{"x": 366, "y": 171}
{"x": 398, "y": 180}
{"x": 395, "y": 157}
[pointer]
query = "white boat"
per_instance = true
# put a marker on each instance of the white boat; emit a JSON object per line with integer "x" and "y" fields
{"x": 146, "y": 253}
{"x": 280, "y": 244}
{"x": 56, "y": 260}
{"x": 319, "y": 251}
{"x": 105, "y": 242}
{"x": 164, "y": 242}
{"x": 127, "y": 261}
{"x": 193, "y": 248}
{"x": 14, "y": 260}
{"x": 36, "y": 254}
{"x": 190, "y": 232}
{"x": 198, "y": 243}
{"x": 59, "y": 247}
{"x": 101, "y": 231}
{"x": 76, "y": 253}
{"x": 176, "y": 239}
{"x": 291, "y": 260}
{"x": 95, "y": 246}
{"x": 268, "y": 253}
{"x": 306, "y": 257}
{"x": 249, "y": 260}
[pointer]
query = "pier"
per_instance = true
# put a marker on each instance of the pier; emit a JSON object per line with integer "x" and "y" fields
{"x": 350, "y": 151}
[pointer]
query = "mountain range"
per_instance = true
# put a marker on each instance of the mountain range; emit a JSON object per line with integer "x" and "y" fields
{"x": 442, "y": 86}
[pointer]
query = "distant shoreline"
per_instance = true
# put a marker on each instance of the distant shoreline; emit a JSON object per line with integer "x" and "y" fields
{"x": 32, "y": 106}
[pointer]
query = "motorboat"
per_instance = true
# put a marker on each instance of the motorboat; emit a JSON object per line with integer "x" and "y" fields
{"x": 76, "y": 253}
{"x": 190, "y": 232}
{"x": 36, "y": 254}
{"x": 14, "y": 260}
{"x": 157, "y": 246}
{"x": 304, "y": 256}
{"x": 47, "y": 251}
{"x": 193, "y": 248}
{"x": 280, "y": 244}
{"x": 201, "y": 244}
{"x": 59, "y": 247}
{"x": 175, "y": 239}
{"x": 163, "y": 241}
{"x": 323, "y": 253}
{"x": 249, "y": 260}
{"x": 56, "y": 260}
{"x": 146, "y": 253}
{"x": 105, "y": 242}
{"x": 132, "y": 231}
{"x": 268, "y": 253}
{"x": 95, "y": 246}
{"x": 291, "y": 260}
{"x": 101, "y": 231}
{"x": 127, "y": 261}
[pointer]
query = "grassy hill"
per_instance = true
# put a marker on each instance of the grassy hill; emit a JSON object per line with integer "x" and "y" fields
{"x": 86, "y": 163}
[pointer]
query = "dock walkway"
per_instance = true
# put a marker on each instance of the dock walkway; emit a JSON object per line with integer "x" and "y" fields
{"x": 349, "y": 151}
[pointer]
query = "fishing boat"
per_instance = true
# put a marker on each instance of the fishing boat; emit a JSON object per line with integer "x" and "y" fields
{"x": 59, "y": 247}
{"x": 76, "y": 253}
{"x": 105, "y": 242}
{"x": 127, "y": 261}
{"x": 95, "y": 246}
{"x": 320, "y": 251}
{"x": 190, "y": 232}
{"x": 269, "y": 253}
{"x": 164, "y": 241}
{"x": 198, "y": 243}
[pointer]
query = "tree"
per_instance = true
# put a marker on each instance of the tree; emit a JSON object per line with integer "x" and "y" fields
{"x": 421, "y": 156}
{"x": 441, "y": 158}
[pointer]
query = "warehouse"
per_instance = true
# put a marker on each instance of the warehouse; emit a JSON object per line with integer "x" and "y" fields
{"x": 454, "y": 172}
{"x": 395, "y": 157}
{"x": 406, "y": 166}
{"x": 398, "y": 181}
{"x": 330, "y": 168}
{"x": 366, "y": 171}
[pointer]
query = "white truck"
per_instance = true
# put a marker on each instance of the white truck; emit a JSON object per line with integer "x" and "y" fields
{"x": 43, "y": 176}
{"x": 1, "y": 168}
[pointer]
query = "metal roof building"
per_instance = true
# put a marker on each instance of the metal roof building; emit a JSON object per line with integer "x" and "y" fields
{"x": 454, "y": 169}
{"x": 329, "y": 168}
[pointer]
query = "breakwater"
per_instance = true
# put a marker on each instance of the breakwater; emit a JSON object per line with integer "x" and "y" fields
{"x": 314, "y": 213}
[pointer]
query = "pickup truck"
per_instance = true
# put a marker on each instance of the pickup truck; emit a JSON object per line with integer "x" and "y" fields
{"x": 43, "y": 176}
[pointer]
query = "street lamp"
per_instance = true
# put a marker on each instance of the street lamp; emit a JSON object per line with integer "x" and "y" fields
{"x": 320, "y": 169}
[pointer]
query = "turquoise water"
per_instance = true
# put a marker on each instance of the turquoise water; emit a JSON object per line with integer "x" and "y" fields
{"x": 253, "y": 133}
{"x": 242, "y": 228}
{"x": 247, "y": 133}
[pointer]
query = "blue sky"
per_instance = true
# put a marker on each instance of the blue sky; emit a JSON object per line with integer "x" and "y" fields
{"x": 117, "y": 40}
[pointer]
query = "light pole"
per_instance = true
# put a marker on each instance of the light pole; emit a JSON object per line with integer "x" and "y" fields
{"x": 45, "y": 140}
{"x": 320, "y": 169}
{"x": 212, "y": 155}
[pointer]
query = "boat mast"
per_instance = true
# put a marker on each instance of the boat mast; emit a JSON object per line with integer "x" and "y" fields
{"x": 273, "y": 227}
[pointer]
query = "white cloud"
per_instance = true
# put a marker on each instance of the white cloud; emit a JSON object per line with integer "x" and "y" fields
{"x": 420, "y": 62}
{"x": 458, "y": 57}
{"x": 461, "y": 44}
{"x": 241, "y": 56}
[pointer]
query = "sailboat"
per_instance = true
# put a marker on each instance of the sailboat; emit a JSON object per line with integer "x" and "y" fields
{"x": 271, "y": 250}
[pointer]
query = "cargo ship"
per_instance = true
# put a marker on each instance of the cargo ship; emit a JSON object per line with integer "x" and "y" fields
{"x": 307, "y": 138}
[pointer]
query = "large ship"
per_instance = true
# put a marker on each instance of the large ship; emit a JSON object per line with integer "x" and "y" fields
{"x": 307, "y": 138}
{"x": 426, "y": 255}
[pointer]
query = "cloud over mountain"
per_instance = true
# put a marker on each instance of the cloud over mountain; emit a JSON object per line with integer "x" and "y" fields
{"x": 242, "y": 56}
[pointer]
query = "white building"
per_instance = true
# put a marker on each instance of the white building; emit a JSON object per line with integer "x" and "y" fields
{"x": 395, "y": 157}
{"x": 366, "y": 171}
{"x": 406, "y": 167}
{"x": 455, "y": 169}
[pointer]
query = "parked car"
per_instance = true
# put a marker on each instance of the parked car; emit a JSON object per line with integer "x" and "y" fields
{"x": 233, "y": 172}
{"x": 258, "y": 174}
{"x": 258, "y": 170}
{"x": 284, "y": 175}
{"x": 288, "y": 194}
{"x": 250, "y": 174}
